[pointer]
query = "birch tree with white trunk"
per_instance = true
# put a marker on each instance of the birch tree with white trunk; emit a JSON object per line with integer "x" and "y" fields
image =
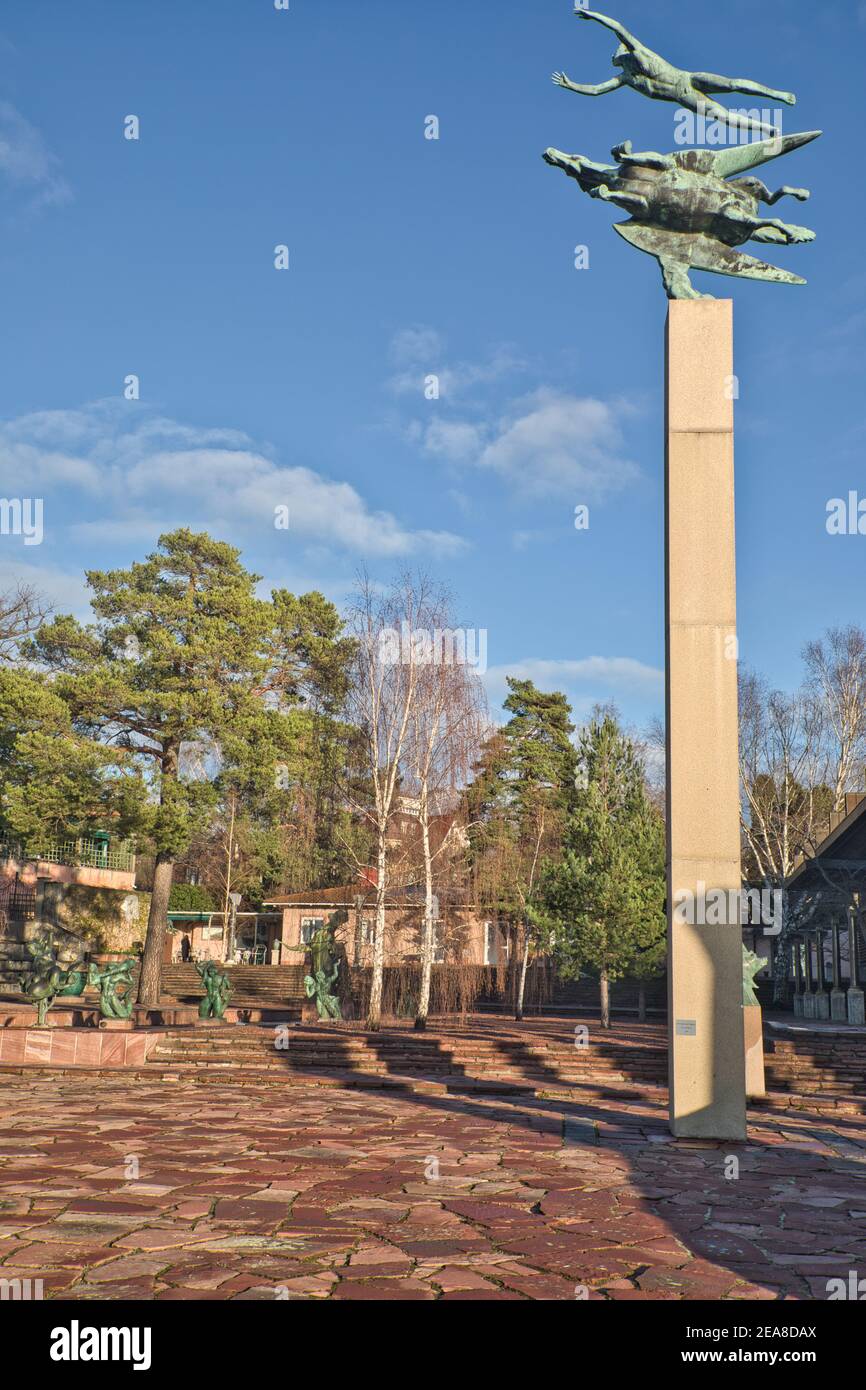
{"x": 447, "y": 726}
{"x": 389, "y": 632}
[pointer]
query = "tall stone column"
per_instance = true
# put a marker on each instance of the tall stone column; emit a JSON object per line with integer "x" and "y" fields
{"x": 856, "y": 1009}
{"x": 809, "y": 1007}
{"x": 797, "y": 950}
{"x": 705, "y": 962}
{"x": 822, "y": 998}
{"x": 838, "y": 1005}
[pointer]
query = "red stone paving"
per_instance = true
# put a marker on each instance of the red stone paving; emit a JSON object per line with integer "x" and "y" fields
{"x": 312, "y": 1192}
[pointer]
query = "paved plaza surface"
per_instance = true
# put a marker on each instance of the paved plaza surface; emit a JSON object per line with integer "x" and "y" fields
{"x": 116, "y": 1187}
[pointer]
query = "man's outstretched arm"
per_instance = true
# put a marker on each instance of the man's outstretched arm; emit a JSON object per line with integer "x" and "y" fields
{"x": 587, "y": 91}
{"x": 613, "y": 24}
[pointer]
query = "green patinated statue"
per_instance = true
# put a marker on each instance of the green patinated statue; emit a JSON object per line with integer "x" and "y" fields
{"x": 686, "y": 209}
{"x": 751, "y": 965}
{"x": 686, "y": 213}
{"x": 319, "y": 986}
{"x": 218, "y": 990}
{"x": 320, "y": 983}
{"x": 109, "y": 978}
{"x": 76, "y": 982}
{"x": 653, "y": 76}
{"x": 46, "y": 978}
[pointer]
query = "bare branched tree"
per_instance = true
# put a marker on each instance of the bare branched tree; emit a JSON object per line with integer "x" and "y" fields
{"x": 23, "y": 610}
{"x": 449, "y": 718}
{"x": 836, "y": 673}
{"x": 386, "y": 628}
{"x": 783, "y": 772}
{"x": 785, "y": 797}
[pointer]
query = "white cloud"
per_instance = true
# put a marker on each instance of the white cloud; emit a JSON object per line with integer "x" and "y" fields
{"x": 458, "y": 441}
{"x": 590, "y": 680}
{"x": 521, "y": 540}
{"x": 549, "y": 444}
{"x": 413, "y": 347}
{"x": 420, "y": 352}
{"x": 67, "y": 593}
{"x": 118, "y": 531}
{"x": 26, "y": 162}
{"x": 45, "y": 468}
{"x": 141, "y": 475}
{"x": 561, "y": 445}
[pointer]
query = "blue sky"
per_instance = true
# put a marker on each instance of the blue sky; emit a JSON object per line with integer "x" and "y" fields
{"x": 411, "y": 257}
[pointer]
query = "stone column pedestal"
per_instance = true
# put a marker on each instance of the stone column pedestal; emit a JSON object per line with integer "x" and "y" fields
{"x": 810, "y": 1008}
{"x": 753, "y": 1041}
{"x": 822, "y": 1004}
{"x": 856, "y": 1009}
{"x": 838, "y": 1005}
{"x": 705, "y": 989}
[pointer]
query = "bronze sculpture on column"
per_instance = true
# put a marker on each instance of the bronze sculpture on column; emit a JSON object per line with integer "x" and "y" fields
{"x": 694, "y": 209}
{"x": 653, "y": 76}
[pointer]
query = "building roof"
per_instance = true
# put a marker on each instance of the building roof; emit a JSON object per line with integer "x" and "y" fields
{"x": 844, "y": 844}
{"x": 345, "y": 895}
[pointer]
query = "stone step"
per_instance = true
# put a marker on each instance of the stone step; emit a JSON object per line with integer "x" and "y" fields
{"x": 841, "y": 1104}
{"x": 579, "y": 1093}
{"x": 339, "y": 1066}
{"x": 398, "y": 1055}
{"x": 325, "y": 1056}
{"x": 337, "y": 1049}
{"x": 341, "y": 1059}
{"x": 241, "y": 1038}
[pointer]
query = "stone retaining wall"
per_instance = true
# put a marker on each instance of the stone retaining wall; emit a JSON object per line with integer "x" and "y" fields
{"x": 82, "y": 1047}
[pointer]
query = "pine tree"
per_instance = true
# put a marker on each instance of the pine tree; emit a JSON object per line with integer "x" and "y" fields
{"x": 519, "y": 800}
{"x": 604, "y": 900}
{"x": 185, "y": 668}
{"x": 56, "y": 784}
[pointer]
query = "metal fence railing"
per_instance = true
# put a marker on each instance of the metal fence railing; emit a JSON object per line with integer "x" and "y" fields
{"x": 17, "y": 900}
{"x": 82, "y": 853}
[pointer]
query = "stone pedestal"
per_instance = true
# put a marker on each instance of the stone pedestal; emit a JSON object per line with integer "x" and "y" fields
{"x": 838, "y": 1006}
{"x": 822, "y": 1004}
{"x": 809, "y": 1006}
{"x": 753, "y": 1045}
{"x": 705, "y": 990}
{"x": 798, "y": 1005}
{"x": 856, "y": 1011}
{"x": 212, "y": 1023}
{"x": 116, "y": 1025}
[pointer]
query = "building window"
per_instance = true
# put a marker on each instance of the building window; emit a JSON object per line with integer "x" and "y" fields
{"x": 309, "y": 927}
{"x": 438, "y": 943}
{"x": 491, "y": 944}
